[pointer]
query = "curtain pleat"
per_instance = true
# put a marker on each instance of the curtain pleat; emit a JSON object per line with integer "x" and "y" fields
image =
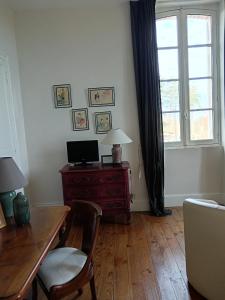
{"x": 143, "y": 29}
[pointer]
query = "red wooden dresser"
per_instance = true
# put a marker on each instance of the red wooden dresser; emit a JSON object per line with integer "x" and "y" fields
{"x": 106, "y": 185}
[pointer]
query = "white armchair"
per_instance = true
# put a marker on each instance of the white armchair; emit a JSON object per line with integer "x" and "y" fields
{"x": 204, "y": 231}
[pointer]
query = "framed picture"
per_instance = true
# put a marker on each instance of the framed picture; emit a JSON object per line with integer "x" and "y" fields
{"x": 2, "y": 218}
{"x": 103, "y": 121}
{"x": 106, "y": 159}
{"x": 80, "y": 119}
{"x": 103, "y": 96}
{"x": 62, "y": 95}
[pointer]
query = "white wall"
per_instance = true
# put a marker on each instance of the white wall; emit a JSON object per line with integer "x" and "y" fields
{"x": 86, "y": 48}
{"x": 8, "y": 50}
{"x": 193, "y": 172}
{"x": 91, "y": 47}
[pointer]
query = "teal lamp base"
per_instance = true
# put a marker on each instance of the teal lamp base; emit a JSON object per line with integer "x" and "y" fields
{"x": 6, "y": 200}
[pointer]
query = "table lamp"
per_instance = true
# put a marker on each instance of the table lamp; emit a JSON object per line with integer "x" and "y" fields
{"x": 11, "y": 178}
{"x": 116, "y": 137}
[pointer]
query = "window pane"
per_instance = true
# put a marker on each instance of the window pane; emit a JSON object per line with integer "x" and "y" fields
{"x": 199, "y": 29}
{"x": 199, "y": 62}
{"x": 171, "y": 127}
{"x": 200, "y": 93}
{"x": 168, "y": 64}
{"x": 167, "y": 32}
{"x": 170, "y": 95}
{"x": 201, "y": 123}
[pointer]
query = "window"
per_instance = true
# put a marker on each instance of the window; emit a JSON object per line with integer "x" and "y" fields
{"x": 187, "y": 65}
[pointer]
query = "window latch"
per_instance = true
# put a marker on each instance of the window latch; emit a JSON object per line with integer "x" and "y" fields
{"x": 186, "y": 115}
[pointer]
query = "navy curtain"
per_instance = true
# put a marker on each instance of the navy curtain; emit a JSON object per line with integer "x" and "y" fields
{"x": 143, "y": 29}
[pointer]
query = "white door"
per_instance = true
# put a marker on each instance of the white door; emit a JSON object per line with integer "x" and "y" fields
{"x": 7, "y": 120}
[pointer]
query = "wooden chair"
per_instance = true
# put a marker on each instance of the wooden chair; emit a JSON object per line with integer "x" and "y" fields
{"x": 66, "y": 269}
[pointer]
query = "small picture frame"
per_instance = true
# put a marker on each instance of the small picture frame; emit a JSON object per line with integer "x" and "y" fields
{"x": 103, "y": 121}
{"x": 106, "y": 159}
{"x": 80, "y": 119}
{"x": 62, "y": 95}
{"x": 2, "y": 218}
{"x": 102, "y": 96}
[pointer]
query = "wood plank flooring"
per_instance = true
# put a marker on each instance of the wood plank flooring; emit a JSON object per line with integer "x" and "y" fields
{"x": 141, "y": 261}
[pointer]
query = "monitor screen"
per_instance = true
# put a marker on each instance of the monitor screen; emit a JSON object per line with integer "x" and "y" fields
{"x": 82, "y": 151}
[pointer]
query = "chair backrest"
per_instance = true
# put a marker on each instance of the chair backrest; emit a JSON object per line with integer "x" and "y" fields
{"x": 87, "y": 214}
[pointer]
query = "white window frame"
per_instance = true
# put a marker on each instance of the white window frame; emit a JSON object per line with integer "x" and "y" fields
{"x": 181, "y": 14}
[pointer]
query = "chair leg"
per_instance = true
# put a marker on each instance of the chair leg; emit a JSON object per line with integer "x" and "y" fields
{"x": 80, "y": 291}
{"x": 34, "y": 289}
{"x": 93, "y": 290}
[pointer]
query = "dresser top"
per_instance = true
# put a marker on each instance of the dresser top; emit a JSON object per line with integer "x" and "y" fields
{"x": 95, "y": 167}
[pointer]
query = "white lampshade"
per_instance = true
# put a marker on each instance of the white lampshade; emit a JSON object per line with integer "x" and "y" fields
{"x": 116, "y": 136}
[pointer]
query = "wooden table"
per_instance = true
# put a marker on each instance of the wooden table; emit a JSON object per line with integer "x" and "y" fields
{"x": 22, "y": 249}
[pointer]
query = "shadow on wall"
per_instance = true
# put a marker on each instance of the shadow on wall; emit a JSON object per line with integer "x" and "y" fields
{"x": 45, "y": 187}
{"x": 132, "y": 153}
{"x": 211, "y": 172}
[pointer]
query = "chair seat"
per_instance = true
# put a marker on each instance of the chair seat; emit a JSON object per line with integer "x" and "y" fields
{"x": 61, "y": 265}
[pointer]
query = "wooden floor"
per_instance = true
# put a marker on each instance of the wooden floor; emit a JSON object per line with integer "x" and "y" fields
{"x": 143, "y": 260}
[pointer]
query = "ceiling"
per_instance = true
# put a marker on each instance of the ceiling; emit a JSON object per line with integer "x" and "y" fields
{"x": 20, "y": 5}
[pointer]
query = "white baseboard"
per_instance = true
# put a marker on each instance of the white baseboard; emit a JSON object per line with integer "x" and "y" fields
{"x": 177, "y": 200}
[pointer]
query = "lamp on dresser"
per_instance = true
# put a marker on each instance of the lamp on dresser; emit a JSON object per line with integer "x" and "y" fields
{"x": 116, "y": 137}
{"x": 11, "y": 179}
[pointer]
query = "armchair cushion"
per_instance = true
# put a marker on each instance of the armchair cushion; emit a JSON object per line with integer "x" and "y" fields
{"x": 61, "y": 265}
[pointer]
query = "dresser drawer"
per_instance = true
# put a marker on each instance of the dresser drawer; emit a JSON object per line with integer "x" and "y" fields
{"x": 105, "y": 205}
{"x": 107, "y": 186}
{"x": 112, "y": 191}
{"x": 114, "y": 176}
{"x": 93, "y": 178}
{"x": 112, "y": 204}
{"x": 93, "y": 192}
{"x": 71, "y": 193}
{"x": 83, "y": 179}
